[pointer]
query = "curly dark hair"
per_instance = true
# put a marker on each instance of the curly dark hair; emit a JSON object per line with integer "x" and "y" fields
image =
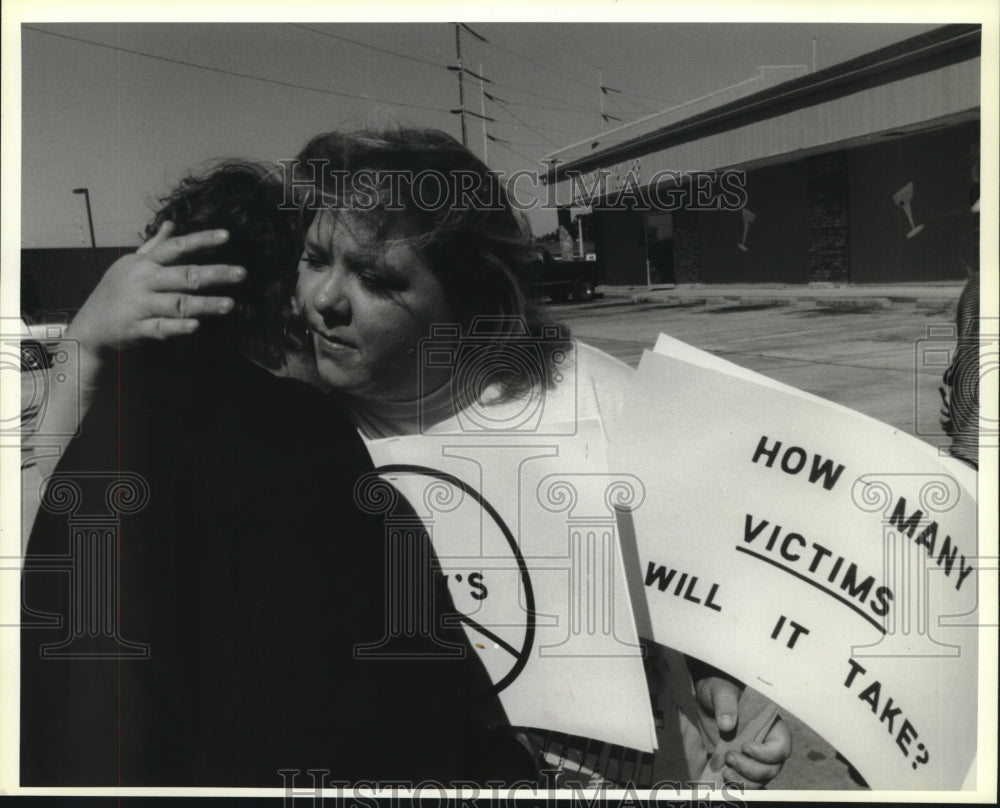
{"x": 244, "y": 198}
{"x": 464, "y": 224}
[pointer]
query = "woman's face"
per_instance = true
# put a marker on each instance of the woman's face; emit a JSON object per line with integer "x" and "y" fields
{"x": 367, "y": 303}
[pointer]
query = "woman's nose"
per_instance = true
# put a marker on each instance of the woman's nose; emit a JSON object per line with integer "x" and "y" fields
{"x": 330, "y": 296}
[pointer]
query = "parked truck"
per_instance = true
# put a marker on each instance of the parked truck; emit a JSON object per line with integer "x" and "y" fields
{"x": 561, "y": 279}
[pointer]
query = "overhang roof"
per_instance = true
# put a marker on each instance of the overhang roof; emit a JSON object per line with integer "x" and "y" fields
{"x": 930, "y": 51}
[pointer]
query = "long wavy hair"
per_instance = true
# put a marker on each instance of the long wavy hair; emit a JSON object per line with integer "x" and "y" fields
{"x": 424, "y": 182}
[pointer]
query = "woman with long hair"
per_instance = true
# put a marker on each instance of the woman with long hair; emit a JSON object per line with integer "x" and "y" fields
{"x": 227, "y": 593}
{"x": 405, "y": 232}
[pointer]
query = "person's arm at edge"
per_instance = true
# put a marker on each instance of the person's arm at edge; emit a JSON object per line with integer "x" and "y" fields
{"x": 142, "y": 296}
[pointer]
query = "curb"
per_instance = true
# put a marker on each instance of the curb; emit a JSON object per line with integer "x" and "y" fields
{"x": 834, "y": 297}
{"x": 853, "y": 302}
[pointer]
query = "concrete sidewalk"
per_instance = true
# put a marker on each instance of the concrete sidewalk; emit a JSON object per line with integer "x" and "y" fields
{"x": 760, "y": 294}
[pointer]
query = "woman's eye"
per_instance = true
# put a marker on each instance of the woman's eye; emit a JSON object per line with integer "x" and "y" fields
{"x": 313, "y": 261}
{"x": 375, "y": 282}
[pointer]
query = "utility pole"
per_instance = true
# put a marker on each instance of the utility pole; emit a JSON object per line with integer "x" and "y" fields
{"x": 461, "y": 84}
{"x": 482, "y": 111}
{"x": 600, "y": 94}
{"x": 90, "y": 218}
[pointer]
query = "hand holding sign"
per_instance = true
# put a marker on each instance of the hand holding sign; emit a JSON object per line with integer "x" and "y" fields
{"x": 834, "y": 542}
{"x": 751, "y": 743}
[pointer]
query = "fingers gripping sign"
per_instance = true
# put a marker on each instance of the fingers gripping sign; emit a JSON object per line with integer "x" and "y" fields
{"x": 753, "y": 740}
{"x": 153, "y": 293}
{"x": 720, "y": 697}
{"x": 756, "y": 763}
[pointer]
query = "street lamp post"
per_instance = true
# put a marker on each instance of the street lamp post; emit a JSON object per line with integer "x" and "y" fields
{"x": 90, "y": 218}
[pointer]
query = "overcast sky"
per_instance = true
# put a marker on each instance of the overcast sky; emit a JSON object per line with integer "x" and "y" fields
{"x": 99, "y": 111}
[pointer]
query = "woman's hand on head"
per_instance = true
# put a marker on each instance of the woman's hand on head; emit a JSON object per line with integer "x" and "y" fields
{"x": 153, "y": 294}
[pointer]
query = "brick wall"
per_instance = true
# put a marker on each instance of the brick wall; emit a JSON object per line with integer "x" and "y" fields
{"x": 687, "y": 268}
{"x": 828, "y": 221}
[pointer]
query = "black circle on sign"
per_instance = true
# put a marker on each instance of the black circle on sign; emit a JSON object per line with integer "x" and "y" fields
{"x": 522, "y": 656}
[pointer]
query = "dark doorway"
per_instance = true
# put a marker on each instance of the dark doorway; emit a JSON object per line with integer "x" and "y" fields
{"x": 660, "y": 248}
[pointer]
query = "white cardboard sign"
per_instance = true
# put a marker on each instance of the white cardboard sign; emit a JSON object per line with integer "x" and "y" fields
{"x": 821, "y": 556}
{"x": 583, "y": 673}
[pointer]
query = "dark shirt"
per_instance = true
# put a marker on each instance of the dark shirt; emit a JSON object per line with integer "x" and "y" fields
{"x": 240, "y": 588}
{"x": 961, "y": 392}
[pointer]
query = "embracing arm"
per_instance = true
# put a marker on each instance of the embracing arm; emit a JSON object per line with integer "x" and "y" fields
{"x": 147, "y": 295}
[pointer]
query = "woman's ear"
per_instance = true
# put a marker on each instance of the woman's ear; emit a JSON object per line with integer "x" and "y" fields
{"x": 295, "y": 334}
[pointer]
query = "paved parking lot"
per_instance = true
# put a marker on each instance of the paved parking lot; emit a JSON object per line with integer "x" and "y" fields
{"x": 879, "y": 356}
{"x": 883, "y": 358}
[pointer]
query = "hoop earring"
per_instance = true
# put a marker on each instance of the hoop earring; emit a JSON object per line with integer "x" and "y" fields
{"x": 295, "y": 334}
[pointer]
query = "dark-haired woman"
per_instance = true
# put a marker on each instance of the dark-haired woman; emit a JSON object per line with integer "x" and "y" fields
{"x": 385, "y": 260}
{"x": 209, "y": 633}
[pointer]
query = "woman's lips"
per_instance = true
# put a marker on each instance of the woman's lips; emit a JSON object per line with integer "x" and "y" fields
{"x": 332, "y": 343}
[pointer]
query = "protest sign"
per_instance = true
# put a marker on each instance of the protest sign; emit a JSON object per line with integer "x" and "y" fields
{"x": 821, "y": 556}
{"x": 524, "y": 529}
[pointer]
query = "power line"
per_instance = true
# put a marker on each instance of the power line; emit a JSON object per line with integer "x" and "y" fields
{"x": 572, "y": 49}
{"x": 457, "y": 69}
{"x": 621, "y": 95}
{"x": 234, "y": 73}
{"x": 473, "y": 114}
{"x": 495, "y": 100}
{"x": 631, "y": 96}
{"x": 643, "y": 110}
{"x": 539, "y": 64}
{"x": 539, "y": 95}
{"x": 570, "y": 78}
{"x": 655, "y": 100}
{"x": 477, "y": 36}
{"x": 573, "y": 132}
{"x": 501, "y": 103}
{"x": 626, "y": 97}
{"x": 398, "y": 55}
{"x": 628, "y": 94}
{"x": 619, "y": 103}
{"x": 525, "y": 123}
{"x": 549, "y": 107}
{"x": 429, "y": 63}
{"x": 518, "y": 142}
{"x": 503, "y": 144}
{"x": 336, "y": 93}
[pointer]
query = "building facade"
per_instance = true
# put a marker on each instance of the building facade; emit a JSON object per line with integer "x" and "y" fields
{"x": 858, "y": 173}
